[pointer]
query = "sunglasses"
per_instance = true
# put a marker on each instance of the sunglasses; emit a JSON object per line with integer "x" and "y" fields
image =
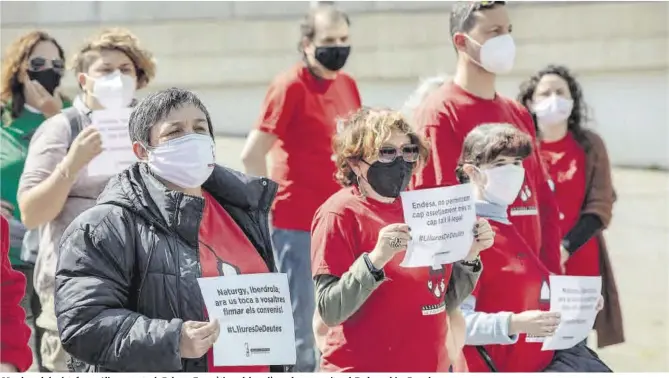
{"x": 409, "y": 152}
{"x": 38, "y": 64}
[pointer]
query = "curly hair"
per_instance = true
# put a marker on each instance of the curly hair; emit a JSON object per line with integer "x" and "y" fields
{"x": 16, "y": 56}
{"x": 487, "y": 142}
{"x": 580, "y": 112}
{"x": 122, "y": 40}
{"x": 363, "y": 133}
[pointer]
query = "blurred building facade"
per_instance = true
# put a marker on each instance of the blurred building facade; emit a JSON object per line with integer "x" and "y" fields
{"x": 229, "y": 51}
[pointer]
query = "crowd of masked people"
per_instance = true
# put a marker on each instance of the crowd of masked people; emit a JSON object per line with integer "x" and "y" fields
{"x": 100, "y": 273}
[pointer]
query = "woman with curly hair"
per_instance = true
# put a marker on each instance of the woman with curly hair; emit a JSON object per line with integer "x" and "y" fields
{"x": 581, "y": 172}
{"x": 31, "y": 73}
{"x": 55, "y": 187}
{"x": 378, "y": 316}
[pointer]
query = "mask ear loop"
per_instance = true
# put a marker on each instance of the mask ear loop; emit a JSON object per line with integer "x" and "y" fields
{"x": 361, "y": 189}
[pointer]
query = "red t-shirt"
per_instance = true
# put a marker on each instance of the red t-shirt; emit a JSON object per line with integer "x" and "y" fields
{"x": 513, "y": 279}
{"x": 446, "y": 117}
{"x": 402, "y": 325}
{"x": 565, "y": 160}
{"x": 224, "y": 251}
{"x": 302, "y": 111}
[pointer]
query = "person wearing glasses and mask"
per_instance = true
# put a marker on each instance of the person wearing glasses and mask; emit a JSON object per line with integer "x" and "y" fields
{"x": 378, "y": 316}
{"x": 508, "y": 313}
{"x": 579, "y": 166}
{"x": 31, "y": 74}
{"x": 481, "y": 35}
{"x": 297, "y": 122}
{"x": 127, "y": 295}
{"x": 55, "y": 186}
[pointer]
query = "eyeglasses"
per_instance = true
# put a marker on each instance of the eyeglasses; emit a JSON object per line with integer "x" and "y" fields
{"x": 38, "y": 64}
{"x": 409, "y": 152}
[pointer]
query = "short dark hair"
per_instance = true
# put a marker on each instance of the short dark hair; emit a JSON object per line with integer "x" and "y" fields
{"x": 308, "y": 24}
{"x": 489, "y": 141}
{"x": 462, "y": 14}
{"x": 156, "y": 107}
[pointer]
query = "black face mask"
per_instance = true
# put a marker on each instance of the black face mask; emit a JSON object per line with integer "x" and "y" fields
{"x": 332, "y": 57}
{"x": 389, "y": 179}
{"x": 49, "y": 79}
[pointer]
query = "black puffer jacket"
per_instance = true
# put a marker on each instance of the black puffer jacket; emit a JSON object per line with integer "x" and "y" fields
{"x": 128, "y": 268}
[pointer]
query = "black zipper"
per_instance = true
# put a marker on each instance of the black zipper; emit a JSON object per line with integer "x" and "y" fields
{"x": 263, "y": 224}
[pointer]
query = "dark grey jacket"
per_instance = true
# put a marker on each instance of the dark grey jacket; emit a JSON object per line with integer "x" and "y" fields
{"x": 128, "y": 268}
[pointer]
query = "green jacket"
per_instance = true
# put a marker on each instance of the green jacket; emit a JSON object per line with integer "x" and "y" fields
{"x": 15, "y": 137}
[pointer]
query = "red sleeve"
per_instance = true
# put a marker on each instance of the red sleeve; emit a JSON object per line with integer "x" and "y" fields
{"x": 445, "y": 150}
{"x": 14, "y": 332}
{"x": 279, "y": 107}
{"x": 356, "y": 93}
{"x": 548, "y": 209}
{"x": 331, "y": 248}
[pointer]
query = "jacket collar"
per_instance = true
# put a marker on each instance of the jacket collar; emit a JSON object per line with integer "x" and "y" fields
{"x": 182, "y": 213}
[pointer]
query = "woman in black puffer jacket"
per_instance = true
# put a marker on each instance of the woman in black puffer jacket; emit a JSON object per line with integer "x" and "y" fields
{"x": 127, "y": 296}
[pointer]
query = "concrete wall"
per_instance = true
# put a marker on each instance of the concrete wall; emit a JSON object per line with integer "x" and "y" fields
{"x": 228, "y": 51}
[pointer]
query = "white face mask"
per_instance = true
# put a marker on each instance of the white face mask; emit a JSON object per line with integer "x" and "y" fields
{"x": 503, "y": 183}
{"x": 114, "y": 91}
{"x": 187, "y": 161}
{"x": 552, "y": 111}
{"x": 497, "y": 54}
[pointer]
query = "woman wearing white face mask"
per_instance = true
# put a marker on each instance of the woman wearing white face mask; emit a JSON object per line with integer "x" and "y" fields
{"x": 579, "y": 167}
{"x": 128, "y": 267}
{"x": 55, "y": 186}
{"x": 508, "y": 311}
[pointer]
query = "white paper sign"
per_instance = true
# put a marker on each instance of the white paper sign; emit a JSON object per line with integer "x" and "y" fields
{"x": 117, "y": 152}
{"x": 442, "y": 223}
{"x": 575, "y": 298}
{"x": 256, "y": 319}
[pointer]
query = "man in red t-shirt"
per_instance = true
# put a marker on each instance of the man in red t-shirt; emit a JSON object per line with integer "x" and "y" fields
{"x": 482, "y": 39}
{"x": 297, "y": 122}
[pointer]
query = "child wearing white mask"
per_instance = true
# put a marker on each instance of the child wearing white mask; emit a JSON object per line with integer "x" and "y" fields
{"x": 508, "y": 311}
{"x": 579, "y": 166}
{"x": 55, "y": 186}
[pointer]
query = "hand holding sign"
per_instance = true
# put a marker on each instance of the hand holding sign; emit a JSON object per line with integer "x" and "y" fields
{"x": 197, "y": 338}
{"x": 534, "y": 322}
{"x": 392, "y": 239}
{"x": 484, "y": 238}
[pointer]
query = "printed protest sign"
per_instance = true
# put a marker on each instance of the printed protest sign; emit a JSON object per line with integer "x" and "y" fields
{"x": 442, "y": 223}
{"x": 575, "y": 298}
{"x": 256, "y": 319}
{"x": 117, "y": 152}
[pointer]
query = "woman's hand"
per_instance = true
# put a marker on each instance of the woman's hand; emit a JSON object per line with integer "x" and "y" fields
{"x": 392, "y": 239}
{"x": 535, "y": 323}
{"x": 484, "y": 238}
{"x": 86, "y": 146}
{"x": 198, "y": 337}
{"x": 48, "y": 104}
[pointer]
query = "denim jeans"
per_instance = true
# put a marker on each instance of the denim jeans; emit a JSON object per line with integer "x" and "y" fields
{"x": 292, "y": 252}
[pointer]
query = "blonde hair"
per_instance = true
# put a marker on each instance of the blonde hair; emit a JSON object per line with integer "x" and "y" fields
{"x": 117, "y": 39}
{"x": 363, "y": 133}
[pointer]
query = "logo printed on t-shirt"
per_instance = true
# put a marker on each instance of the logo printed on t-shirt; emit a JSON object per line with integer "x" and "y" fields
{"x": 525, "y": 195}
{"x": 436, "y": 284}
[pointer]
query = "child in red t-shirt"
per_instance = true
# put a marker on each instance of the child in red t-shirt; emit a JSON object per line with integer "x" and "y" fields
{"x": 508, "y": 311}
